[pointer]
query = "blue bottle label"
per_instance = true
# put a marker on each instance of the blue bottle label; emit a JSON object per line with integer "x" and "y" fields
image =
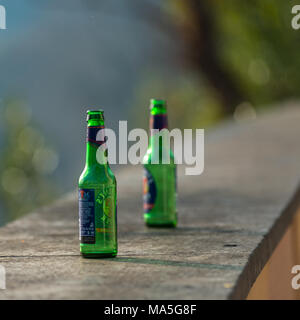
{"x": 92, "y": 133}
{"x": 150, "y": 191}
{"x": 159, "y": 121}
{"x": 87, "y": 216}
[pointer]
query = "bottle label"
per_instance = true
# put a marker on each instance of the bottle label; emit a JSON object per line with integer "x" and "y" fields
{"x": 149, "y": 191}
{"x": 87, "y": 216}
{"x": 159, "y": 121}
{"x": 92, "y": 132}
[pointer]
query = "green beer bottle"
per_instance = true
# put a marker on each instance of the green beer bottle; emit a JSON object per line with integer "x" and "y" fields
{"x": 159, "y": 179}
{"x": 97, "y": 195}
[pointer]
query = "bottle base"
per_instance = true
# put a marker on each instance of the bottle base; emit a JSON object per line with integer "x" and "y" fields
{"x": 95, "y": 255}
{"x": 161, "y": 225}
{"x": 160, "y": 222}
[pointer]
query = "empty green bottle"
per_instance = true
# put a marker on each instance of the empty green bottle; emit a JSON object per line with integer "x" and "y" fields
{"x": 97, "y": 195}
{"x": 159, "y": 179}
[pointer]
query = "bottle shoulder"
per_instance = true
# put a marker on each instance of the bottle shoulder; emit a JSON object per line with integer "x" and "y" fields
{"x": 152, "y": 156}
{"x": 94, "y": 176}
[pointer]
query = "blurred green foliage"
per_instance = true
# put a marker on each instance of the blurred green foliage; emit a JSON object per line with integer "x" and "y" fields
{"x": 26, "y": 162}
{"x": 257, "y": 42}
{"x": 252, "y": 43}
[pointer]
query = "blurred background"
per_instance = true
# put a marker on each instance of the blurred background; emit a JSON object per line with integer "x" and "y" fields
{"x": 212, "y": 60}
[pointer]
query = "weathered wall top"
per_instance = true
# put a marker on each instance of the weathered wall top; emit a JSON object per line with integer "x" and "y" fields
{"x": 230, "y": 220}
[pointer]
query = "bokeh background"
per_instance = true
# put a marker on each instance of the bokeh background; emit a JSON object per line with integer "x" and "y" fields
{"x": 212, "y": 60}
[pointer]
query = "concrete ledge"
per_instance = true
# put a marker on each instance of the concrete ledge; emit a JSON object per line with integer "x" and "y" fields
{"x": 230, "y": 220}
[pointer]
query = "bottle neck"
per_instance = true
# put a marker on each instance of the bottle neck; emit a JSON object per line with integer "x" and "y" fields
{"x": 94, "y": 140}
{"x": 158, "y": 121}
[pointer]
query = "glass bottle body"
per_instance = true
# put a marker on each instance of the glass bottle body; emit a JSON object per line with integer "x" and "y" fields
{"x": 159, "y": 181}
{"x": 97, "y": 200}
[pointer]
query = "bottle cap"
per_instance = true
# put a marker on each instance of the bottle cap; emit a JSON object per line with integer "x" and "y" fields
{"x": 95, "y": 114}
{"x": 158, "y": 103}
